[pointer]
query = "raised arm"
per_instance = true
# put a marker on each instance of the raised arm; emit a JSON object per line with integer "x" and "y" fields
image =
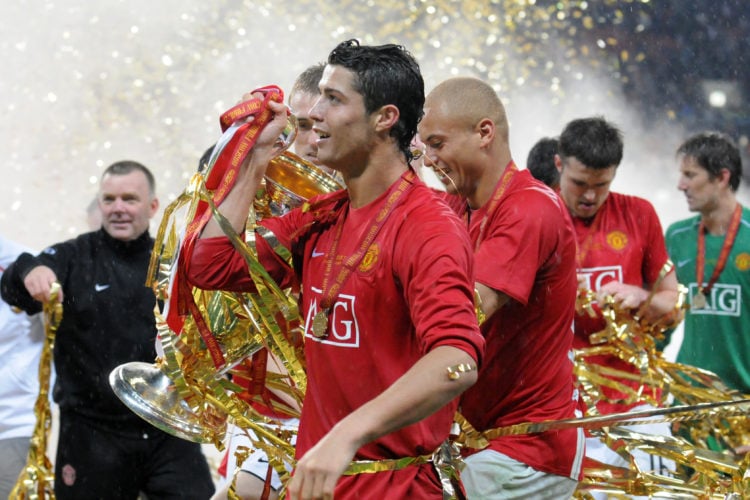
{"x": 236, "y": 205}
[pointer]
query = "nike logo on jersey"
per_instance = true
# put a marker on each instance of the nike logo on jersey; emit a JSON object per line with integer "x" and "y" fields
{"x": 681, "y": 263}
{"x": 100, "y": 288}
{"x": 315, "y": 253}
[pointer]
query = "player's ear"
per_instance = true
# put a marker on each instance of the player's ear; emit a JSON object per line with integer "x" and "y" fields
{"x": 386, "y": 117}
{"x": 486, "y": 129}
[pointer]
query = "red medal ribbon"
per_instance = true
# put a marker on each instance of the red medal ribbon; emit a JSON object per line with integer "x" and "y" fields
{"x": 344, "y": 270}
{"x": 510, "y": 171}
{"x": 220, "y": 179}
{"x": 726, "y": 247}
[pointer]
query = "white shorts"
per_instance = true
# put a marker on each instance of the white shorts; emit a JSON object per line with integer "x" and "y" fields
{"x": 492, "y": 475}
{"x": 257, "y": 462}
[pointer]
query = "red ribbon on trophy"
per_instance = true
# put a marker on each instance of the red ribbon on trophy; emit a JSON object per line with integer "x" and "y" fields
{"x": 220, "y": 180}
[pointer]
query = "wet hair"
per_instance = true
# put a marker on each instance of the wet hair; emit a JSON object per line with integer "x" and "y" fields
{"x": 307, "y": 81}
{"x": 714, "y": 151}
{"x": 386, "y": 74}
{"x": 126, "y": 166}
{"x": 593, "y": 141}
{"x": 541, "y": 161}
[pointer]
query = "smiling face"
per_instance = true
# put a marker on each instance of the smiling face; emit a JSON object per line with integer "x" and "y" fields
{"x": 701, "y": 191}
{"x": 345, "y": 131}
{"x": 126, "y": 204}
{"x": 584, "y": 189}
{"x": 450, "y": 148}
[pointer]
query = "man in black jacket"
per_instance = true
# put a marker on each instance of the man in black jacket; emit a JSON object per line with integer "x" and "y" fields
{"x": 104, "y": 449}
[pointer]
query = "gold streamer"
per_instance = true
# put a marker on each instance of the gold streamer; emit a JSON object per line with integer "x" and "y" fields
{"x": 242, "y": 323}
{"x": 668, "y": 414}
{"x": 710, "y": 423}
{"x": 36, "y": 480}
{"x": 709, "y": 412}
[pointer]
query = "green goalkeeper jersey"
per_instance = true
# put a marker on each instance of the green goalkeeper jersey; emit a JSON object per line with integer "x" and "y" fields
{"x": 717, "y": 336}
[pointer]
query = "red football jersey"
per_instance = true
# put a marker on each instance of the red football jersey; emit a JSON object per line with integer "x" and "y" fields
{"x": 412, "y": 292}
{"x": 624, "y": 242}
{"x": 527, "y": 251}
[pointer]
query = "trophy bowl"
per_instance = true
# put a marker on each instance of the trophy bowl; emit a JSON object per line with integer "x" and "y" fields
{"x": 151, "y": 395}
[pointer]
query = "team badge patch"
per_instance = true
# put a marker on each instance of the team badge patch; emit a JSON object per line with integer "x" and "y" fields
{"x": 370, "y": 258}
{"x": 617, "y": 240}
{"x": 68, "y": 475}
{"x": 742, "y": 261}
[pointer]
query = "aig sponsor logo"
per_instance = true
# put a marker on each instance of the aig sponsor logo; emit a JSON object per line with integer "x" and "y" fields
{"x": 596, "y": 277}
{"x": 724, "y": 300}
{"x": 343, "y": 329}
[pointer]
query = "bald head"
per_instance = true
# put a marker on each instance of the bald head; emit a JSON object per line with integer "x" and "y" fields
{"x": 467, "y": 101}
{"x": 465, "y": 133}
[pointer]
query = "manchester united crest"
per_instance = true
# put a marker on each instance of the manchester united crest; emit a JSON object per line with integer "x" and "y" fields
{"x": 742, "y": 261}
{"x": 370, "y": 258}
{"x": 617, "y": 240}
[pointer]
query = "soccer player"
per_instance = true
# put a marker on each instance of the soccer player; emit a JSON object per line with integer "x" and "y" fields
{"x": 524, "y": 251}
{"x": 391, "y": 336}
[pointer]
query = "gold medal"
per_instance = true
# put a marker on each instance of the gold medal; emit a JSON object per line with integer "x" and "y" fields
{"x": 320, "y": 324}
{"x": 699, "y": 300}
